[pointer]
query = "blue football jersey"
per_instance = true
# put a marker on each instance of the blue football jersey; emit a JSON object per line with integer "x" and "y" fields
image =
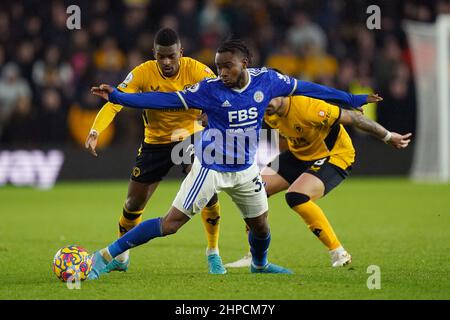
{"x": 230, "y": 140}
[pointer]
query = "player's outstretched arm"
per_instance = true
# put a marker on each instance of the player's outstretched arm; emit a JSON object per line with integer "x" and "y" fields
{"x": 283, "y": 86}
{"x": 358, "y": 120}
{"x": 146, "y": 100}
{"x": 103, "y": 119}
{"x": 314, "y": 90}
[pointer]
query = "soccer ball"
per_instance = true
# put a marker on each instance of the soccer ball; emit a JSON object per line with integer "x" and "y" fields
{"x": 72, "y": 263}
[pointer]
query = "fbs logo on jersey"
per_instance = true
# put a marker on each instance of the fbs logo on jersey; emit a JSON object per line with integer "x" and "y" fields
{"x": 243, "y": 115}
{"x": 322, "y": 114}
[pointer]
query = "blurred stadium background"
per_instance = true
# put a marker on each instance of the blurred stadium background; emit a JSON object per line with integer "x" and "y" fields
{"x": 46, "y": 71}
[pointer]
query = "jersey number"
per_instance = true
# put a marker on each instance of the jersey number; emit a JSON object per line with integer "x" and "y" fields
{"x": 258, "y": 184}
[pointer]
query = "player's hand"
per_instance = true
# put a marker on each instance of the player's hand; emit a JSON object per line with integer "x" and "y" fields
{"x": 373, "y": 97}
{"x": 102, "y": 91}
{"x": 203, "y": 118}
{"x": 400, "y": 141}
{"x": 91, "y": 142}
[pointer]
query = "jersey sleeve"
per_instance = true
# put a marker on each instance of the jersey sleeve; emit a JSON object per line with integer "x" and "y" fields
{"x": 316, "y": 112}
{"x": 202, "y": 72}
{"x": 105, "y": 116}
{"x": 193, "y": 97}
{"x": 134, "y": 81}
{"x": 131, "y": 84}
{"x": 284, "y": 86}
{"x": 196, "y": 96}
{"x": 281, "y": 85}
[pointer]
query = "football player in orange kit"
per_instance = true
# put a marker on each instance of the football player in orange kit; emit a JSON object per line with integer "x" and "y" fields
{"x": 163, "y": 131}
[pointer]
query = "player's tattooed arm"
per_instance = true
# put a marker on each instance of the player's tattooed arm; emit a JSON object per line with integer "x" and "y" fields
{"x": 358, "y": 120}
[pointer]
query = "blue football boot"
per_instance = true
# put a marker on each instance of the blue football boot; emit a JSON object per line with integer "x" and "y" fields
{"x": 215, "y": 264}
{"x": 98, "y": 266}
{"x": 115, "y": 265}
{"x": 270, "y": 268}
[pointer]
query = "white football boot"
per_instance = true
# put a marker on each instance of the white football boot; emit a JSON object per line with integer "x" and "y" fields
{"x": 246, "y": 261}
{"x": 340, "y": 257}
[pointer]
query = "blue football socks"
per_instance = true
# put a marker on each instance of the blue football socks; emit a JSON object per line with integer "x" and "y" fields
{"x": 142, "y": 233}
{"x": 259, "y": 248}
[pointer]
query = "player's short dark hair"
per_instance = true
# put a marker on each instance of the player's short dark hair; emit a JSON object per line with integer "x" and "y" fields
{"x": 166, "y": 37}
{"x": 234, "y": 46}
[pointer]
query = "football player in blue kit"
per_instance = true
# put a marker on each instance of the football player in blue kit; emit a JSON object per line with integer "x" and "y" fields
{"x": 224, "y": 155}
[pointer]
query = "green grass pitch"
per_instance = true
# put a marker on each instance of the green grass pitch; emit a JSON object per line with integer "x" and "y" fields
{"x": 402, "y": 227}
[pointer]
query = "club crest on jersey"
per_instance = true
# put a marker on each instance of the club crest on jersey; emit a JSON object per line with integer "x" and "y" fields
{"x": 258, "y": 96}
{"x": 321, "y": 113}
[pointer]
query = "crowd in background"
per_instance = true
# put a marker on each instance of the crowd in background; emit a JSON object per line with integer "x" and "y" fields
{"x": 46, "y": 69}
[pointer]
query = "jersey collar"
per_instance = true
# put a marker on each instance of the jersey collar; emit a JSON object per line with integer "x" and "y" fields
{"x": 246, "y": 86}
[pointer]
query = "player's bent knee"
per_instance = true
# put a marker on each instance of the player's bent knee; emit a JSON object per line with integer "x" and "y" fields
{"x": 294, "y": 199}
{"x": 259, "y": 226}
{"x": 260, "y": 231}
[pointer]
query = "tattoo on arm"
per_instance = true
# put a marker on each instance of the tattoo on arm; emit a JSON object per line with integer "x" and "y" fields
{"x": 358, "y": 120}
